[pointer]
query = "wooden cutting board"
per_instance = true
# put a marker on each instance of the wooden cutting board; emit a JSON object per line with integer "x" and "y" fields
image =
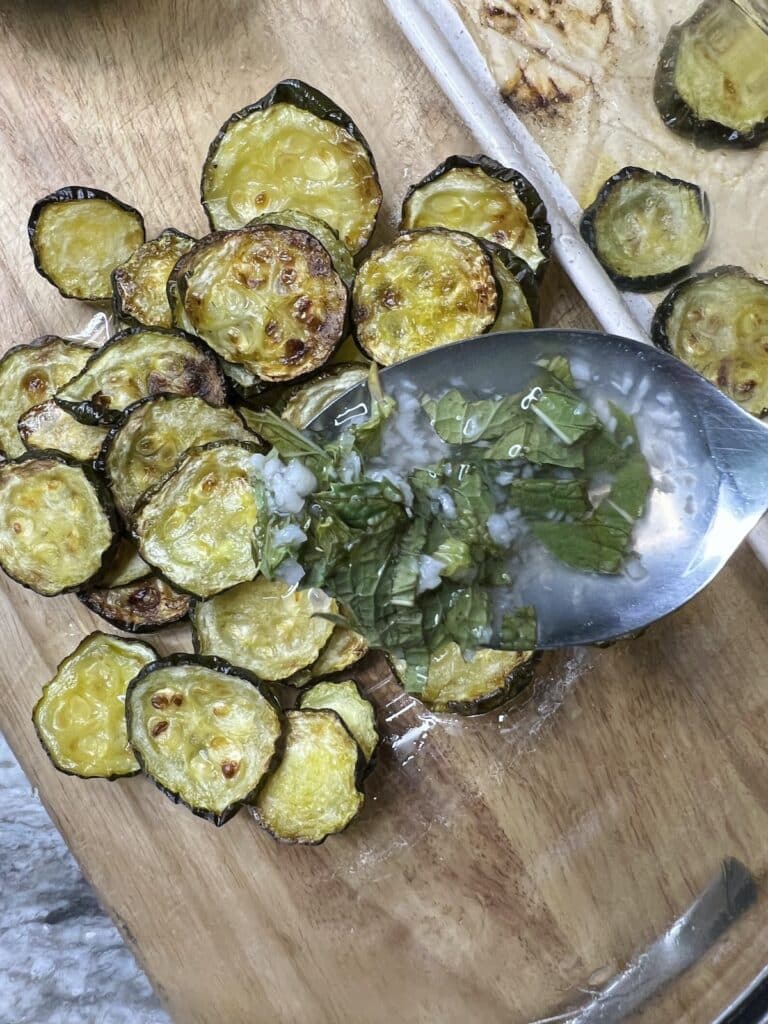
{"x": 502, "y": 866}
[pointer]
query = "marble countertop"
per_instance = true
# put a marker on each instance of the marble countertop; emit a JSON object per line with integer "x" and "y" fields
{"x": 62, "y": 961}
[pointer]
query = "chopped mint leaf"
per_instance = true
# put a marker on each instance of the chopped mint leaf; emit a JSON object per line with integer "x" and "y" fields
{"x": 592, "y": 545}
{"x": 289, "y": 442}
{"x": 456, "y": 556}
{"x": 518, "y": 630}
{"x": 539, "y": 497}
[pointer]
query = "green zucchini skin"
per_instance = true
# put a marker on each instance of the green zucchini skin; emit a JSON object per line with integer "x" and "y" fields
{"x": 587, "y": 227}
{"x": 144, "y": 606}
{"x": 530, "y": 198}
{"x": 107, "y": 506}
{"x": 68, "y": 194}
{"x": 120, "y": 305}
{"x": 299, "y": 94}
{"x": 216, "y": 665}
{"x": 214, "y": 392}
{"x": 680, "y": 118}
{"x": 522, "y": 273}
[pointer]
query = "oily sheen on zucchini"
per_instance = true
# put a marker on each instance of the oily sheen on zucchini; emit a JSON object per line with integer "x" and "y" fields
{"x": 315, "y": 791}
{"x": 646, "y": 228}
{"x": 143, "y": 606}
{"x": 48, "y": 427}
{"x": 139, "y": 284}
{"x": 718, "y": 323}
{"x": 518, "y": 288}
{"x": 57, "y": 524}
{"x": 266, "y": 626}
{"x": 424, "y": 289}
{"x": 355, "y": 711}
{"x": 196, "y": 526}
{"x": 31, "y": 374}
{"x": 266, "y": 298}
{"x": 344, "y": 649}
{"x": 78, "y": 236}
{"x": 205, "y": 733}
{"x": 293, "y": 148}
{"x": 138, "y": 363}
{"x": 478, "y": 684}
{"x": 343, "y": 263}
{"x": 301, "y": 403}
{"x": 80, "y": 717}
{"x": 149, "y": 438}
{"x": 485, "y": 199}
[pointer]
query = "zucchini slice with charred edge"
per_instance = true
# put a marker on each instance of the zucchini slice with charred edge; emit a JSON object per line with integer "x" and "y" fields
{"x": 138, "y": 363}
{"x": 143, "y": 606}
{"x": 48, "y": 427}
{"x": 31, "y": 374}
{"x": 519, "y": 308}
{"x": 482, "y": 197}
{"x": 717, "y": 322}
{"x": 196, "y": 526}
{"x": 207, "y": 734}
{"x": 80, "y": 717}
{"x": 315, "y": 791}
{"x": 645, "y": 228}
{"x": 139, "y": 294}
{"x": 301, "y": 403}
{"x": 244, "y": 385}
{"x": 344, "y": 649}
{"x": 151, "y": 436}
{"x": 57, "y": 523}
{"x": 124, "y": 565}
{"x": 355, "y": 710}
{"x": 424, "y": 289}
{"x": 293, "y": 148}
{"x": 265, "y": 626}
{"x": 78, "y": 236}
{"x": 266, "y": 298}
{"x": 473, "y": 687}
{"x": 340, "y": 255}
{"x": 712, "y": 78}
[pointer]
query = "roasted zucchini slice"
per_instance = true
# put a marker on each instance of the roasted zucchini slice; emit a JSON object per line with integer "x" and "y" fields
{"x": 711, "y": 82}
{"x": 482, "y": 197}
{"x": 124, "y": 565}
{"x": 149, "y": 438}
{"x": 340, "y": 255}
{"x": 296, "y": 149}
{"x": 205, "y": 733}
{"x": 57, "y": 524}
{"x": 424, "y": 289}
{"x": 344, "y": 649}
{"x": 80, "y": 717}
{"x": 31, "y": 374}
{"x": 306, "y": 401}
{"x": 143, "y": 606}
{"x": 316, "y": 789}
{"x": 265, "y": 626}
{"x": 244, "y": 385}
{"x": 646, "y": 229}
{"x": 355, "y": 710}
{"x": 196, "y": 526}
{"x": 717, "y": 322}
{"x": 266, "y": 298}
{"x": 78, "y": 236}
{"x": 48, "y": 427}
{"x": 139, "y": 285}
{"x": 138, "y": 363}
{"x": 519, "y": 307}
{"x": 472, "y": 687}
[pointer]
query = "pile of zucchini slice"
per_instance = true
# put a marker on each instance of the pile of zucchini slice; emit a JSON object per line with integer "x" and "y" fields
{"x": 128, "y": 470}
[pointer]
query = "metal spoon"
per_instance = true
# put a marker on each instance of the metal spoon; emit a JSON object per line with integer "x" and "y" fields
{"x": 709, "y": 461}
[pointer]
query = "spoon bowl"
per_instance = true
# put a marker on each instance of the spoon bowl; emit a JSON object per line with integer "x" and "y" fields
{"x": 708, "y": 459}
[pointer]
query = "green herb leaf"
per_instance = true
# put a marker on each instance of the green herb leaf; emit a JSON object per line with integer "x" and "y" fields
{"x": 537, "y": 497}
{"x": 289, "y": 442}
{"x": 518, "y": 630}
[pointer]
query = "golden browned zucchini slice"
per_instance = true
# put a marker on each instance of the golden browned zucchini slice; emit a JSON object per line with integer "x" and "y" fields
{"x": 315, "y": 790}
{"x": 48, "y": 427}
{"x": 138, "y": 363}
{"x": 472, "y": 687}
{"x": 711, "y": 82}
{"x": 480, "y": 196}
{"x": 143, "y": 606}
{"x": 645, "y": 228}
{"x": 306, "y": 401}
{"x": 265, "y": 298}
{"x": 265, "y": 626}
{"x": 80, "y": 718}
{"x": 139, "y": 284}
{"x": 196, "y": 526}
{"x": 519, "y": 307}
{"x": 343, "y": 263}
{"x": 31, "y": 374}
{"x": 355, "y": 710}
{"x": 149, "y": 438}
{"x": 57, "y": 524}
{"x": 718, "y": 323}
{"x": 123, "y": 565}
{"x": 78, "y": 237}
{"x": 424, "y": 289}
{"x": 344, "y": 648}
{"x": 206, "y": 734}
{"x": 294, "y": 148}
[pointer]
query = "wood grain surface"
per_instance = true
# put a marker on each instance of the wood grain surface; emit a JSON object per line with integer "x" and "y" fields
{"x": 503, "y": 867}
